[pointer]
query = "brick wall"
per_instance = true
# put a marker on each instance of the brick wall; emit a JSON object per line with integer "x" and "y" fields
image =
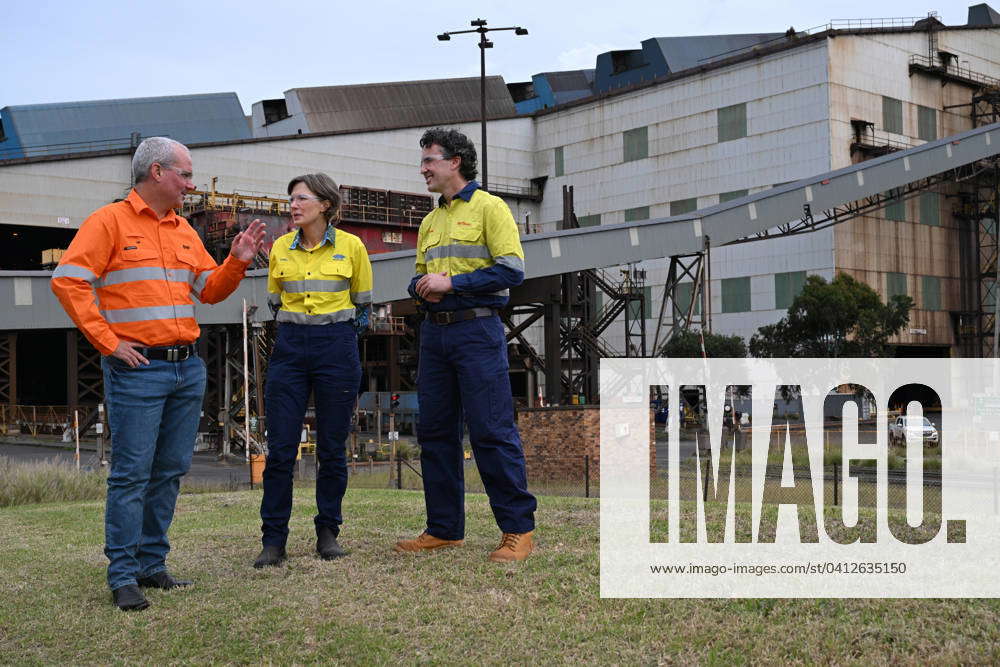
{"x": 557, "y": 439}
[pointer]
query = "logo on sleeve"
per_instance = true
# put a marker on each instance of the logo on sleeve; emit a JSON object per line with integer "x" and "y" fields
{"x": 338, "y": 256}
{"x": 463, "y": 223}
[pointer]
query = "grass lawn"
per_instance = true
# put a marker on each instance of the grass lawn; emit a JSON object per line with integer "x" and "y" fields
{"x": 452, "y": 606}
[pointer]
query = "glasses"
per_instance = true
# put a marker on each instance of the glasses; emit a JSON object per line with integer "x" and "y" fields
{"x": 186, "y": 175}
{"x": 432, "y": 158}
{"x": 302, "y": 198}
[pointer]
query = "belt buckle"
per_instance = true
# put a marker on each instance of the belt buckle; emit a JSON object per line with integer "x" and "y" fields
{"x": 173, "y": 353}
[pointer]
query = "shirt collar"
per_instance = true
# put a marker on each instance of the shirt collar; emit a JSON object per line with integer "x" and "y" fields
{"x": 465, "y": 194}
{"x": 139, "y": 205}
{"x": 329, "y": 237}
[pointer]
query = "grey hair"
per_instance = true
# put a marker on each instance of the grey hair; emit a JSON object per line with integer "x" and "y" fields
{"x": 154, "y": 149}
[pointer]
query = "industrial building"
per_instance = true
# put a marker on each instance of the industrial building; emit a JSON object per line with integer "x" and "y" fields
{"x": 681, "y": 125}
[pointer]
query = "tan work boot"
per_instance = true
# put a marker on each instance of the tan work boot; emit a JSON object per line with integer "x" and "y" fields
{"x": 425, "y": 542}
{"x": 513, "y": 546}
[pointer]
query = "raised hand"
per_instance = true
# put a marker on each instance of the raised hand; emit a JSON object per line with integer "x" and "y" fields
{"x": 247, "y": 243}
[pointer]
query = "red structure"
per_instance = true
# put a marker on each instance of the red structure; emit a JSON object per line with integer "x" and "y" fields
{"x": 384, "y": 220}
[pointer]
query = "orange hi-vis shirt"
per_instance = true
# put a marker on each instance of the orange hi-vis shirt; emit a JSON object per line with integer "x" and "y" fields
{"x": 142, "y": 271}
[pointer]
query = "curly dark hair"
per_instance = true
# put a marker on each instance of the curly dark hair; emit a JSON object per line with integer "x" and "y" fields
{"x": 455, "y": 144}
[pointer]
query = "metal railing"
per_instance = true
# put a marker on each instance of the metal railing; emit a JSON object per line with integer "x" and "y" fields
{"x": 36, "y": 420}
{"x": 530, "y": 192}
{"x": 42, "y": 150}
{"x": 955, "y": 70}
{"x": 885, "y": 22}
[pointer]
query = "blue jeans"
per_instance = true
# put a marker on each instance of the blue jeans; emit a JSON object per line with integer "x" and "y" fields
{"x": 463, "y": 375}
{"x": 153, "y": 413}
{"x": 322, "y": 360}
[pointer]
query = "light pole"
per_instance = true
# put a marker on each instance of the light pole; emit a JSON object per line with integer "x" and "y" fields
{"x": 479, "y": 25}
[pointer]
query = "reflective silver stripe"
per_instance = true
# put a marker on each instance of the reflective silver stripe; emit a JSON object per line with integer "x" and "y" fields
{"x": 456, "y": 250}
{"x": 361, "y": 297}
{"x": 297, "y": 286}
{"x": 198, "y": 284}
{"x": 146, "y": 314}
{"x": 74, "y": 271}
{"x": 144, "y": 273}
{"x": 503, "y": 292}
{"x": 511, "y": 262}
{"x": 274, "y": 298}
{"x": 323, "y": 318}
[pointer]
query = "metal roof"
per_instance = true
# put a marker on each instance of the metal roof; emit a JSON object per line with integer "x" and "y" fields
{"x": 401, "y": 103}
{"x": 67, "y": 127}
{"x": 685, "y": 52}
{"x": 579, "y": 79}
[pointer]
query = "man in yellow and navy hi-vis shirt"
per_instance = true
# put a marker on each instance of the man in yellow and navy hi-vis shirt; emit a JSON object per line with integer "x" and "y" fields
{"x": 468, "y": 256}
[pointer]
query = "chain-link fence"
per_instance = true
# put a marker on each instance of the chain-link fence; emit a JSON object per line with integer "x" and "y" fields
{"x": 793, "y": 486}
{"x": 579, "y": 476}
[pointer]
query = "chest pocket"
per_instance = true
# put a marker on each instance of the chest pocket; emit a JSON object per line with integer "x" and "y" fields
{"x": 430, "y": 239}
{"x": 138, "y": 248}
{"x": 469, "y": 232}
{"x": 336, "y": 268}
{"x": 186, "y": 256}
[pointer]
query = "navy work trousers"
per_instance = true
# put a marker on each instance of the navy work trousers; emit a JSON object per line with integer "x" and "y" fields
{"x": 322, "y": 359}
{"x": 463, "y": 374}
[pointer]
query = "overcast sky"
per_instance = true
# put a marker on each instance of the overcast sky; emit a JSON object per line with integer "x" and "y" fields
{"x": 66, "y": 50}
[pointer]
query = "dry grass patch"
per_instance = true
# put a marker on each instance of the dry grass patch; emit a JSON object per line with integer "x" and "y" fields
{"x": 451, "y": 606}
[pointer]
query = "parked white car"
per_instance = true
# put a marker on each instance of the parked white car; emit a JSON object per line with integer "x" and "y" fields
{"x": 918, "y": 425}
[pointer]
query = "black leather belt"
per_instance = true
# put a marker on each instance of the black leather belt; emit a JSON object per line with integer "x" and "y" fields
{"x": 171, "y": 353}
{"x": 452, "y": 316}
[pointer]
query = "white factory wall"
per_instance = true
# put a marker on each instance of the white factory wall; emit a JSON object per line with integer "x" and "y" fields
{"x": 40, "y": 193}
{"x": 61, "y": 193}
{"x": 787, "y": 98}
{"x": 863, "y": 70}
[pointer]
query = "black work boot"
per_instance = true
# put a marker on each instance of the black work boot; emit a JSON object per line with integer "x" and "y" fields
{"x": 129, "y": 598}
{"x": 326, "y": 544}
{"x": 162, "y": 580}
{"x": 270, "y": 556}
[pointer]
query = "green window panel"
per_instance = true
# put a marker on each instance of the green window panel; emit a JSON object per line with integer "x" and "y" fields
{"x": 930, "y": 286}
{"x": 589, "y": 220}
{"x": 736, "y": 295}
{"x": 735, "y": 194}
{"x": 926, "y": 123}
{"x": 786, "y": 287}
{"x": 682, "y": 206}
{"x": 638, "y": 213}
{"x": 560, "y": 168}
{"x": 732, "y": 122}
{"x": 683, "y": 294}
{"x": 895, "y": 284}
{"x": 892, "y": 115}
{"x": 930, "y": 208}
{"x": 635, "y": 144}
{"x": 895, "y": 209}
{"x": 647, "y": 305}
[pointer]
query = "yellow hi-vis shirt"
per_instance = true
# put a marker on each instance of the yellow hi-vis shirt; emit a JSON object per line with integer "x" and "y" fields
{"x": 321, "y": 285}
{"x": 475, "y": 240}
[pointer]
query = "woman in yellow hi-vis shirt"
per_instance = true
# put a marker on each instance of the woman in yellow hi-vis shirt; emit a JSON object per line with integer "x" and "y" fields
{"x": 320, "y": 284}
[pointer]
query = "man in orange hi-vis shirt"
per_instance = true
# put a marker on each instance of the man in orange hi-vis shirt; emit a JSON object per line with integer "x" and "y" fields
{"x": 143, "y": 262}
